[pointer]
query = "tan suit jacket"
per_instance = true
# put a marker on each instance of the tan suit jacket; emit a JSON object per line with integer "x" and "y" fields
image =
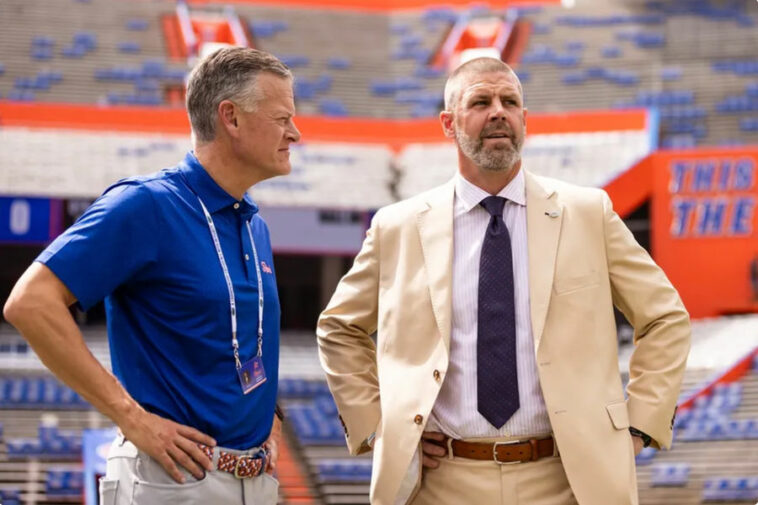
{"x": 582, "y": 261}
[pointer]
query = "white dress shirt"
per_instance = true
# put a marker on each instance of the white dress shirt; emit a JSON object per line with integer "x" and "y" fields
{"x": 455, "y": 412}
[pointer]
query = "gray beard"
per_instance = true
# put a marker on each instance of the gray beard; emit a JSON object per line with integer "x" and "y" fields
{"x": 493, "y": 160}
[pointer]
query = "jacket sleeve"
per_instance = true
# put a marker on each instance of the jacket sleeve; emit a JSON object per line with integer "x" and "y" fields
{"x": 661, "y": 324}
{"x": 346, "y": 349}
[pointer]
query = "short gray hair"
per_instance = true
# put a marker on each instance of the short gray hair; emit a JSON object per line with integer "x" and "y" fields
{"x": 227, "y": 74}
{"x": 476, "y": 66}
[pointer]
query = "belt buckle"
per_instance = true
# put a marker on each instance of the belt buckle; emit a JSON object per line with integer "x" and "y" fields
{"x": 237, "y": 466}
{"x": 494, "y": 452}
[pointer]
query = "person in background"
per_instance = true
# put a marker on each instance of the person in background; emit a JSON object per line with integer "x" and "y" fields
{"x": 192, "y": 315}
{"x": 495, "y": 378}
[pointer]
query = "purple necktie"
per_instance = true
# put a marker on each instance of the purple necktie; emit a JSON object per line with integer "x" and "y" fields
{"x": 497, "y": 379}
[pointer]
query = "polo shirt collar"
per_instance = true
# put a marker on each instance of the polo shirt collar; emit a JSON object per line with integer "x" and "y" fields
{"x": 213, "y": 196}
{"x": 471, "y": 195}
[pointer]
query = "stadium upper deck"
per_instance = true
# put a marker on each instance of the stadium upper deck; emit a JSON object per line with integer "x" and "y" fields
{"x": 694, "y": 60}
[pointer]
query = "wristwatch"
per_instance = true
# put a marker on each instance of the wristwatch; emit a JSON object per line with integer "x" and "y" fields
{"x": 644, "y": 436}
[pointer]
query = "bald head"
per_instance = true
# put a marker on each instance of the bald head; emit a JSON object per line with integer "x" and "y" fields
{"x": 475, "y": 67}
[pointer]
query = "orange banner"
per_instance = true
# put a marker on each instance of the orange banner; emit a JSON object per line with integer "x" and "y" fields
{"x": 705, "y": 227}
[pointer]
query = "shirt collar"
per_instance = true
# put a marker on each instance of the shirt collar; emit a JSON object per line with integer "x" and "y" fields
{"x": 213, "y": 196}
{"x": 470, "y": 195}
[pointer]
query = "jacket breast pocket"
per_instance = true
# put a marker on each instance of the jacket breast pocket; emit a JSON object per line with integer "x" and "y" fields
{"x": 571, "y": 283}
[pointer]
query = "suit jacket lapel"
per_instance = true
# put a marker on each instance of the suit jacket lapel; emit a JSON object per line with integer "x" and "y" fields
{"x": 544, "y": 216}
{"x": 435, "y": 227}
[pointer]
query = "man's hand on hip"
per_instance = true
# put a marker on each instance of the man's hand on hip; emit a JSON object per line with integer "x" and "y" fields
{"x": 169, "y": 443}
{"x": 272, "y": 445}
{"x": 638, "y": 444}
{"x": 433, "y": 447}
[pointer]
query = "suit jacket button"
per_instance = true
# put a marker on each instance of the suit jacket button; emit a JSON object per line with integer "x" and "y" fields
{"x": 436, "y": 375}
{"x": 418, "y": 419}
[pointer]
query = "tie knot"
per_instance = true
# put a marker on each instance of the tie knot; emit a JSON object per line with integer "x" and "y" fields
{"x": 494, "y": 205}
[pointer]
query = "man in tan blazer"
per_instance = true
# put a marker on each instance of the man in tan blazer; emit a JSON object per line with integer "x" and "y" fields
{"x": 494, "y": 378}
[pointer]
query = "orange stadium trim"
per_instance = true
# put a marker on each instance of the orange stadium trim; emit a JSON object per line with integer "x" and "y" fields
{"x": 376, "y": 6}
{"x": 395, "y": 133}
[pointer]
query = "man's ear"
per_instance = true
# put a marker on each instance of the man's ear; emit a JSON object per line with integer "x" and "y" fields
{"x": 446, "y": 120}
{"x": 227, "y": 113}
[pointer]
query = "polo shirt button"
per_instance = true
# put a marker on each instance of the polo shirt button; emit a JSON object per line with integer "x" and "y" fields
{"x": 418, "y": 419}
{"x": 247, "y": 257}
{"x": 236, "y": 206}
{"x": 436, "y": 375}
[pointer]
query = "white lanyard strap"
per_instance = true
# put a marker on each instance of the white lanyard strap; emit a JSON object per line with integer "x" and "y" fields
{"x": 260, "y": 289}
{"x": 230, "y": 286}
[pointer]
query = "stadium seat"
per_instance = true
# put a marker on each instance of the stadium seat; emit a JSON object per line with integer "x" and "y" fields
{"x": 645, "y": 457}
{"x": 332, "y": 107}
{"x": 611, "y": 52}
{"x": 137, "y": 25}
{"x": 10, "y": 496}
{"x": 129, "y": 47}
{"x": 64, "y": 482}
{"x": 339, "y": 63}
{"x": 295, "y": 60}
{"x": 670, "y": 474}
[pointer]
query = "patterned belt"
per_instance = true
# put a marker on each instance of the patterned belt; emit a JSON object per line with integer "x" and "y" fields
{"x": 240, "y": 465}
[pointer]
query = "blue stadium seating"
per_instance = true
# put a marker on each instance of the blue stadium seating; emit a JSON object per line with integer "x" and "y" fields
{"x": 265, "y": 29}
{"x": 314, "y": 414}
{"x": 49, "y": 444}
{"x": 130, "y": 47}
{"x": 729, "y": 489}
{"x": 739, "y": 67}
{"x": 136, "y": 25}
{"x": 301, "y": 388}
{"x": 440, "y": 14}
{"x": 710, "y": 417}
{"x": 425, "y": 72}
{"x": 64, "y": 482}
{"x": 670, "y": 474}
{"x": 541, "y": 28}
{"x": 400, "y": 29}
{"x": 333, "y": 107}
{"x": 645, "y": 457}
{"x": 38, "y": 392}
{"x": 10, "y": 496}
{"x": 21, "y": 96}
{"x": 422, "y": 110}
{"x": 671, "y": 74}
{"x": 294, "y": 60}
{"x": 339, "y": 471}
{"x": 339, "y": 63}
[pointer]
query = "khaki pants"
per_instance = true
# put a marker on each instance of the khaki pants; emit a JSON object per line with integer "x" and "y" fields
{"x": 461, "y": 481}
{"x": 134, "y": 478}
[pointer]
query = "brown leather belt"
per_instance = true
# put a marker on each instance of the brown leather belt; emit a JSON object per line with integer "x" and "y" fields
{"x": 519, "y": 451}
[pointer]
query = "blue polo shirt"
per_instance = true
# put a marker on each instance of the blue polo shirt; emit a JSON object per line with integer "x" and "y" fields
{"x": 145, "y": 247}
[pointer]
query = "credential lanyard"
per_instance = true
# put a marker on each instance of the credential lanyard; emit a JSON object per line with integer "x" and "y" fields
{"x": 230, "y": 287}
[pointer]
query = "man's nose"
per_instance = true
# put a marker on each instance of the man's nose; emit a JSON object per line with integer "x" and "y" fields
{"x": 498, "y": 111}
{"x": 293, "y": 133}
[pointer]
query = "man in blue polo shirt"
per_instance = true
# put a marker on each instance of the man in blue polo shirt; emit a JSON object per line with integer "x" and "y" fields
{"x": 184, "y": 263}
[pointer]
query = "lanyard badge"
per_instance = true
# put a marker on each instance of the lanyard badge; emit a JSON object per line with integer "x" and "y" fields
{"x": 251, "y": 373}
